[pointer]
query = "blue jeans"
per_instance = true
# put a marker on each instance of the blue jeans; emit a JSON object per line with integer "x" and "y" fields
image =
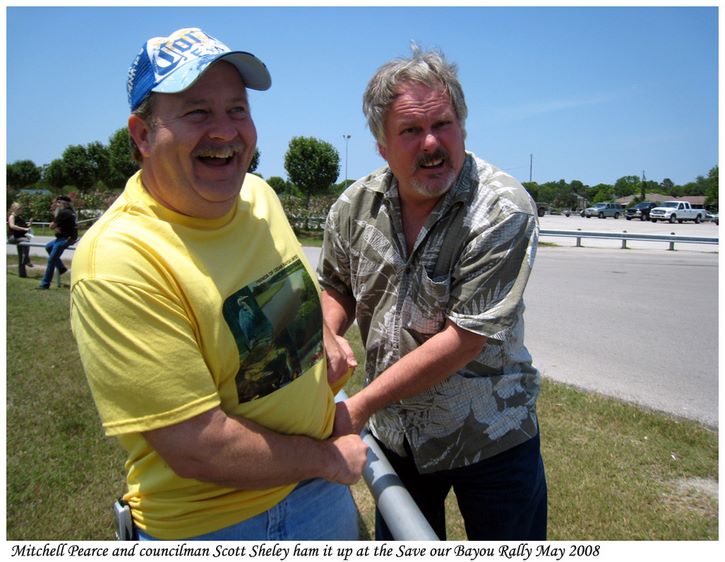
{"x": 315, "y": 510}
{"x": 23, "y": 255}
{"x": 500, "y": 498}
{"x": 55, "y": 249}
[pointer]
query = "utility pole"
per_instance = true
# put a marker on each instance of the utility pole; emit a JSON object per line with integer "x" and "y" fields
{"x": 347, "y": 138}
{"x": 531, "y": 166}
{"x": 643, "y": 189}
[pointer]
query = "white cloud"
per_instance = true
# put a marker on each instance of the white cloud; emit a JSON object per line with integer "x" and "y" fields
{"x": 538, "y": 108}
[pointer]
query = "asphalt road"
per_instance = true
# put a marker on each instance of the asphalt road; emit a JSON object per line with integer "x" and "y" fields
{"x": 641, "y": 325}
{"x": 638, "y": 324}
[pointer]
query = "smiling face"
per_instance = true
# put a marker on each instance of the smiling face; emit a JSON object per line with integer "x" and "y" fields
{"x": 198, "y": 145}
{"x": 424, "y": 141}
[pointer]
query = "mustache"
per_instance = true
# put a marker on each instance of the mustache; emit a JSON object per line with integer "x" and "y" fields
{"x": 428, "y": 159}
{"x": 225, "y": 149}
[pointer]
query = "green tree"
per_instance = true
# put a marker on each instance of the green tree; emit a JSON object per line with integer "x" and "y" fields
{"x": 533, "y": 188}
{"x": 38, "y": 206}
{"x": 578, "y": 187}
{"x": 697, "y": 187}
{"x": 547, "y": 192}
{"x": 278, "y": 184}
{"x": 690, "y": 188}
{"x": 557, "y": 193}
{"x": 79, "y": 169}
{"x": 650, "y": 186}
{"x": 601, "y": 192}
{"x": 120, "y": 163}
{"x": 100, "y": 159}
{"x": 22, "y": 173}
{"x": 713, "y": 190}
{"x": 54, "y": 174}
{"x": 666, "y": 186}
{"x": 254, "y": 164}
{"x": 627, "y": 185}
{"x": 337, "y": 188}
{"x": 312, "y": 165}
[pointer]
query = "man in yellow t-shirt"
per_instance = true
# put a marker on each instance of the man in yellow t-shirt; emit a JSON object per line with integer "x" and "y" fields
{"x": 199, "y": 325}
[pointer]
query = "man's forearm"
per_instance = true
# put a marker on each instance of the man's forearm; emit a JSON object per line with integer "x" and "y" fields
{"x": 237, "y": 453}
{"x": 338, "y": 310}
{"x": 437, "y": 359}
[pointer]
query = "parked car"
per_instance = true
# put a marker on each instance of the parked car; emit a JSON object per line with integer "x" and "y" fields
{"x": 676, "y": 211}
{"x": 603, "y": 210}
{"x": 640, "y": 211}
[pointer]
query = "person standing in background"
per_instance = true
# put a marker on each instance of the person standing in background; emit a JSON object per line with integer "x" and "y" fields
{"x": 19, "y": 231}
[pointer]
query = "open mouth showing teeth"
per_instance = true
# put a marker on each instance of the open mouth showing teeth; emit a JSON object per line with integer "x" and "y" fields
{"x": 216, "y": 159}
{"x": 432, "y": 163}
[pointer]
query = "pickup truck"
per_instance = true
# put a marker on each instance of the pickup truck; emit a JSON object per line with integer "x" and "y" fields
{"x": 676, "y": 211}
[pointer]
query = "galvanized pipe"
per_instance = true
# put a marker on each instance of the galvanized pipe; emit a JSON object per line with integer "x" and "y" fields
{"x": 396, "y": 505}
{"x": 401, "y": 513}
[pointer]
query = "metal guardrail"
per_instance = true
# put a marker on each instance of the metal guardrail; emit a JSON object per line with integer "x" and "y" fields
{"x": 317, "y": 223}
{"x": 47, "y": 224}
{"x": 624, "y": 236}
{"x": 40, "y": 245}
{"x": 396, "y": 505}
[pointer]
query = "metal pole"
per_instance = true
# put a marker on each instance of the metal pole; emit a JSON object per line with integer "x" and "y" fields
{"x": 347, "y": 138}
{"x": 402, "y": 515}
{"x": 396, "y": 505}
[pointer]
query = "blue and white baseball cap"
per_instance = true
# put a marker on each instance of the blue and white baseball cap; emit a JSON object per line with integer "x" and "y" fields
{"x": 172, "y": 64}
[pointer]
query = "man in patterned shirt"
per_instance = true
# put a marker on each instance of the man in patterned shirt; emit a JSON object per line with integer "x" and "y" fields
{"x": 431, "y": 255}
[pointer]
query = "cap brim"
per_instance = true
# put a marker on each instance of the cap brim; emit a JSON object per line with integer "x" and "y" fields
{"x": 253, "y": 71}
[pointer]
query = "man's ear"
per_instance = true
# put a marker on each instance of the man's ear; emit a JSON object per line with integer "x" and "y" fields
{"x": 140, "y": 131}
{"x": 382, "y": 151}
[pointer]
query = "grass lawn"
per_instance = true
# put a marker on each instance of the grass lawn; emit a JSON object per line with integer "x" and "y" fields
{"x": 615, "y": 471}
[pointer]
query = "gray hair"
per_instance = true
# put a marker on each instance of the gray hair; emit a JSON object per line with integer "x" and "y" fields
{"x": 145, "y": 112}
{"x": 429, "y": 68}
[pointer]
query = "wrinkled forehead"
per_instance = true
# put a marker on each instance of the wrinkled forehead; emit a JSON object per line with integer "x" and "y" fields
{"x": 417, "y": 99}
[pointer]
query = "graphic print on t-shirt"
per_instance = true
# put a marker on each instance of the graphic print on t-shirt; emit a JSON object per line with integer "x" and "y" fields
{"x": 277, "y": 325}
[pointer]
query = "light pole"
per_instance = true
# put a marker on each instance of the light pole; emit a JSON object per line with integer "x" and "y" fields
{"x": 347, "y": 138}
{"x": 531, "y": 166}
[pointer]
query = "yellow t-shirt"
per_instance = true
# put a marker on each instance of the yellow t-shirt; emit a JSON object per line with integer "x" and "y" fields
{"x": 174, "y": 316}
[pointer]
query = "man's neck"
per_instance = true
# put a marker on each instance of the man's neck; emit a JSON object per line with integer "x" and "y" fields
{"x": 415, "y": 213}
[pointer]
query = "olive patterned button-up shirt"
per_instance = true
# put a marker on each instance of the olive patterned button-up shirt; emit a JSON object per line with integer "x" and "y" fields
{"x": 470, "y": 264}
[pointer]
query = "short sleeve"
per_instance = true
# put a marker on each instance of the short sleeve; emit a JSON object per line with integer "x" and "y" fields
{"x": 140, "y": 356}
{"x": 333, "y": 270}
{"x": 489, "y": 279}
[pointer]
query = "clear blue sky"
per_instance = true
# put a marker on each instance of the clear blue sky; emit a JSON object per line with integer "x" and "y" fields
{"x": 593, "y": 93}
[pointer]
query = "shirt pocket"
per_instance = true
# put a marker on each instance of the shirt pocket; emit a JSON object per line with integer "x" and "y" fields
{"x": 424, "y": 312}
